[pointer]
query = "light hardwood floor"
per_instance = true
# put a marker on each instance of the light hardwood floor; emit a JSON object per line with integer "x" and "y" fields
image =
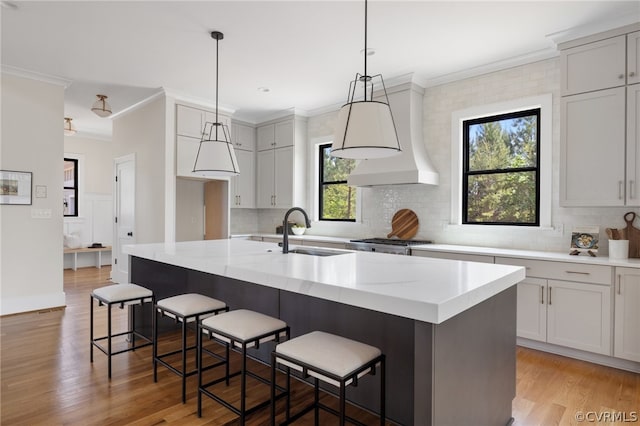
{"x": 47, "y": 379}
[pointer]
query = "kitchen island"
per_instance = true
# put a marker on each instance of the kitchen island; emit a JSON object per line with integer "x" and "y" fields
{"x": 447, "y": 327}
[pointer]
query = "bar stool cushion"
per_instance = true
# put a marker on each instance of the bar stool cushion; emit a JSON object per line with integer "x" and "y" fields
{"x": 333, "y": 354}
{"x": 120, "y": 292}
{"x": 243, "y": 325}
{"x": 190, "y": 304}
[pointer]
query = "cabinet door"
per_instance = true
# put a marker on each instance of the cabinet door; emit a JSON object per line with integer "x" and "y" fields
{"x": 627, "y": 315}
{"x": 243, "y": 137}
{"x": 579, "y": 316}
{"x": 210, "y": 117}
{"x": 633, "y": 144}
{"x": 593, "y": 66}
{"x": 283, "y": 177}
{"x": 186, "y": 151}
{"x": 284, "y": 134}
{"x": 265, "y": 179}
{"x": 265, "y": 137}
{"x": 633, "y": 58}
{"x": 189, "y": 121}
{"x": 592, "y": 149}
{"x": 532, "y": 309}
{"x": 244, "y": 184}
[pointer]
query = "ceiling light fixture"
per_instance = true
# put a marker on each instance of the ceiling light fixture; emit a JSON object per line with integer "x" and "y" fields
{"x": 216, "y": 156}
{"x": 69, "y": 128}
{"x": 101, "y": 107}
{"x": 365, "y": 126}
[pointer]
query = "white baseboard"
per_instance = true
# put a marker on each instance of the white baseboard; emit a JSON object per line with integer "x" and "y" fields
{"x": 15, "y": 305}
{"x": 608, "y": 361}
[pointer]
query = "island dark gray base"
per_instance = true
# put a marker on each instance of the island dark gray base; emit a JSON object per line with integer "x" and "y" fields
{"x": 459, "y": 372}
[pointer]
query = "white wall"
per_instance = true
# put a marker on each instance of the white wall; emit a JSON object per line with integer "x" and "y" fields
{"x": 31, "y": 249}
{"x": 98, "y": 162}
{"x": 142, "y": 132}
{"x": 189, "y": 210}
{"x": 433, "y": 203}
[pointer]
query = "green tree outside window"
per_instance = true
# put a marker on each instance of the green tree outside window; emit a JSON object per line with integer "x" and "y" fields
{"x": 501, "y": 184}
{"x": 337, "y": 200}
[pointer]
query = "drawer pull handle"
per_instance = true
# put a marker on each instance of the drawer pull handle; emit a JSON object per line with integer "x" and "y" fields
{"x": 619, "y": 284}
{"x": 578, "y": 272}
{"x": 542, "y": 295}
{"x": 549, "y": 296}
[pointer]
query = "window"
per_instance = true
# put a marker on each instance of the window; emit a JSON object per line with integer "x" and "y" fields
{"x": 501, "y": 163}
{"x": 337, "y": 200}
{"x": 70, "y": 187}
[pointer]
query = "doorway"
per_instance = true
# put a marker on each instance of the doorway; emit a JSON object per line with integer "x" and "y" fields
{"x": 124, "y": 215}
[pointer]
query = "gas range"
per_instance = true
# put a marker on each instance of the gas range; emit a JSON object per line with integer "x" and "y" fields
{"x": 385, "y": 245}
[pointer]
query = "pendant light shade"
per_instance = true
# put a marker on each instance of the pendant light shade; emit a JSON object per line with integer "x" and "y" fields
{"x": 365, "y": 127}
{"x": 101, "y": 107}
{"x": 69, "y": 128}
{"x": 216, "y": 156}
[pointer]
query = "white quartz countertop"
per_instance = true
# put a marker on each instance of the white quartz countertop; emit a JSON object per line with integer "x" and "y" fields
{"x": 424, "y": 289}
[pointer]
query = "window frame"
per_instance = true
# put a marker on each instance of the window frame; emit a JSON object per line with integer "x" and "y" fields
{"x": 547, "y": 116}
{"x": 322, "y": 183}
{"x": 75, "y": 188}
{"x": 466, "y": 173}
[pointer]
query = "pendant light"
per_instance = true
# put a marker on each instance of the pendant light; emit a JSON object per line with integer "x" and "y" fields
{"x": 365, "y": 127}
{"x": 101, "y": 107}
{"x": 69, "y": 128}
{"x": 216, "y": 156}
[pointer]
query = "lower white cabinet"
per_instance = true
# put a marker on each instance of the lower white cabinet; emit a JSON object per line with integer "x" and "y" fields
{"x": 627, "y": 314}
{"x": 579, "y": 316}
{"x": 532, "y": 309}
{"x": 575, "y": 314}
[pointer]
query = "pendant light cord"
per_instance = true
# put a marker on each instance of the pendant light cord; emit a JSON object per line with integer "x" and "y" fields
{"x": 365, "y": 51}
{"x": 217, "y": 55}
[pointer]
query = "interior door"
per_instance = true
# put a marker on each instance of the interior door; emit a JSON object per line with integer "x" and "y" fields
{"x": 124, "y": 215}
{"x": 216, "y": 209}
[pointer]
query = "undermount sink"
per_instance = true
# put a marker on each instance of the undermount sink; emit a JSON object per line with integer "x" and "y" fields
{"x": 317, "y": 252}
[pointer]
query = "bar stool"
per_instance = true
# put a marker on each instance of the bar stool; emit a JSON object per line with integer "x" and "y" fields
{"x": 334, "y": 360}
{"x": 238, "y": 330}
{"x": 119, "y": 294}
{"x": 184, "y": 308}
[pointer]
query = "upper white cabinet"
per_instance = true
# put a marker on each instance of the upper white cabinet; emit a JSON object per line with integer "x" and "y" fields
{"x": 633, "y": 58}
{"x": 599, "y": 146}
{"x": 243, "y": 136}
{"x": 567, "y": 304}
{"x": 190, "y": 123}
{"x": 594, "y": 66}
{"x": 627, "y": 314}
{"x": 281, "y": 164}
{"x": 276, "y": 135}
{"x": 592, "y": 152}
{"x": 243, "y": 186}
{"x": 603, "y": 64}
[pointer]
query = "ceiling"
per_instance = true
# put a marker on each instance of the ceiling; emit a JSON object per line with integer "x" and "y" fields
{"x": 304, "y": 52}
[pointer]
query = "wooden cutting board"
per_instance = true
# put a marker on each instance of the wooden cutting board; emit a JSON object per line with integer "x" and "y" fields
{"x": 404, "y": 224}
{"x": 633, "y": 235}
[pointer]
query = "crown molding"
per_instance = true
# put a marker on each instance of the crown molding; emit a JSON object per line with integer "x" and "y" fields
{"x": 197, "y": 101}
{"x": 137, "y": 105}
{"x": 33, "y": 75}
{"x": 594, "y": 28}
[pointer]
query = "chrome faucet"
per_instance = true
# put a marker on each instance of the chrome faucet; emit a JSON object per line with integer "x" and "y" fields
{"x": 285, "y": 227}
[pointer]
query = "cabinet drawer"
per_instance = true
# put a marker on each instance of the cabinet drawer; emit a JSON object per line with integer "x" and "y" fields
{"x": 567, "y": 271}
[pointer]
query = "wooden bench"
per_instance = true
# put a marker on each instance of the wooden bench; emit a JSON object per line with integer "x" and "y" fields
{"x": 97, "y": 250}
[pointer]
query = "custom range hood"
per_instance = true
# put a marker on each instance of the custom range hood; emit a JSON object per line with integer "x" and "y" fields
{"x": 413, "y": 164}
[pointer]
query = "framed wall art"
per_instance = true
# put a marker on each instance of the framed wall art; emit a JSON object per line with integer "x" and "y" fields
{"x": 585, "y": 239}
{"x": 15, "y": 187}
